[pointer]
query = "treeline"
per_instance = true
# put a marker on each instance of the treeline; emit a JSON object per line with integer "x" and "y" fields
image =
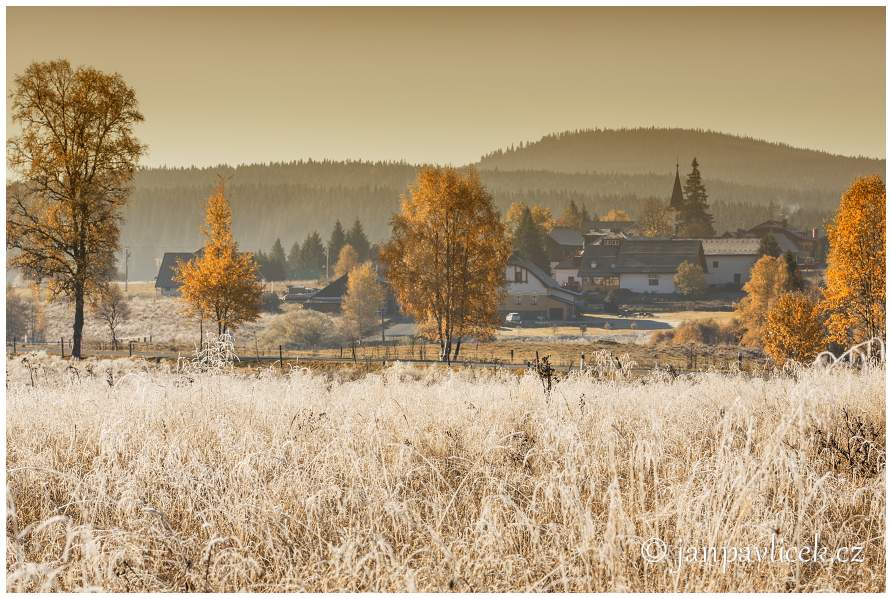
{"x": 655, "y": 150}
{"x": 291, "y": 200}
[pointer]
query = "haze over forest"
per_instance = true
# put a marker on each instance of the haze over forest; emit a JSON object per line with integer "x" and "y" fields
{"x": 601, "y": 169}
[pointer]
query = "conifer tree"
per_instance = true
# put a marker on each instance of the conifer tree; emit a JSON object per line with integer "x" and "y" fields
{"x": 529, "y": 242}
{"x": 336, "y": 241}
{"x": 357, "y": 238}
{"x": 277, "y": 262}
{"x": 694, "y": 217}
{"x": 768, "y": 246}
{"x": 293, "y": 263}
{"x": 312, "y": 256}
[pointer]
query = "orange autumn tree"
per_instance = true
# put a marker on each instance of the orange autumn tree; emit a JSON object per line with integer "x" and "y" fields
{"x": 855, "y": 293}
{"x": 794, "y": 329}
{"x": 221, "y": 283}
{"x": 447, "y": 256}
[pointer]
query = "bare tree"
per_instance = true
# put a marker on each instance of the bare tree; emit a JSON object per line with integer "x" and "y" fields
{"x": 75, "y": 158}
{"x": 111, "y": 306}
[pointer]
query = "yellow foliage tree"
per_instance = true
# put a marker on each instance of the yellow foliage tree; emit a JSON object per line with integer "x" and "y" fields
{"x": 656, "y": 219}
{"x": 73, "y": 159}
{"x": 221, "y": 283}
{"x": 689, "y": 279}
{"x": 855, "y": 293}
{"x": 794, "y": 329}
{"x": 542, "y": 217}
{"x": 616, "y": 215}
{"x": 348, "y": 259}
{"x": 447, "y": 257}
{"x": 363, "y": 302}
{"x": 769, "y": 279}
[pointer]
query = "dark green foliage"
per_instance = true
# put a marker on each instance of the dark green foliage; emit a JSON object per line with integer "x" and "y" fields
{"x": 796, "y": 282}
{"x": 357, "y": 238}
{"x": 270, "y": 303}
{"x": 277, "y": 268}
{"x": 312, "y": 258}
{"x": 694, "y": 219}
{"x": 768, "y": 246}
{"x": 293, "y": 263}
{"x": 529, "y": 241}
{"x": 337, "y": 240}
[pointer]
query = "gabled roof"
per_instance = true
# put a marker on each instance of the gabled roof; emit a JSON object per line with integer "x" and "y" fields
{"x": 641, "y": 256}
{"x": 566, "y": 236}
{"x": 166, "y": 271}
{"x": 731, "y": 246}
{"x": 544, "y": 277}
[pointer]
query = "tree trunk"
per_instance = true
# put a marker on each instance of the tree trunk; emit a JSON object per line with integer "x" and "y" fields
{"x": 445, "y": 349}
{"x": 78, "y": 323}
{"x": 457, "y": 349}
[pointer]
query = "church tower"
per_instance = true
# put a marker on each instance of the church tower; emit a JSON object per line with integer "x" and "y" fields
{"x": 677, "y": 200}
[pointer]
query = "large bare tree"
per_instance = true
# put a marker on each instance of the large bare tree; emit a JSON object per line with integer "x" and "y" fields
{"x": 74, "y": 159}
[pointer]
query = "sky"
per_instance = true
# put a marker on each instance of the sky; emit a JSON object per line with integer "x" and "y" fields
{"x": 446, "y": 85}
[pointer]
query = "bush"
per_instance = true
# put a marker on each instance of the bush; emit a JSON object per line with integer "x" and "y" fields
{"x": 689, "y": 279}
{"x": 270, "y": 303}
{"x": 702, "y": 332}
{"x": 298, "y": 327}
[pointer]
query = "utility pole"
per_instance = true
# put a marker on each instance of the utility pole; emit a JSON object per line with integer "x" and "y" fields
{"x": 382, "y": 326}
{"x": 327, "y": 254}
{"x": 126, "y": 266}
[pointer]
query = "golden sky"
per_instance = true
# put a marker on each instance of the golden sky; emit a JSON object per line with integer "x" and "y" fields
{"x": 235, "y": 85}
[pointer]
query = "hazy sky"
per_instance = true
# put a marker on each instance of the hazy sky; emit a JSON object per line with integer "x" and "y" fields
{"x": 241, "y": 85}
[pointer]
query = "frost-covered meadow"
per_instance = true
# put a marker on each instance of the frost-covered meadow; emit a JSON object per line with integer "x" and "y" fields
{"x": 125, "y": 476}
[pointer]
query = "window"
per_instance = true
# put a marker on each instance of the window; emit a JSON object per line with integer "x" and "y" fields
{"x": 517, "y": 300}
{"x": 611, "y": 242}
{"x": 737, "y": 278}
{"x": 534, "y": 300}
{"x": 520, "y": 274}
{"x": 653, "y": 280}
{"x": 715, "y": 263}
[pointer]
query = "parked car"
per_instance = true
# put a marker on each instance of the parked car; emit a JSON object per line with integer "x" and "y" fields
{"x": 514, "y": 319}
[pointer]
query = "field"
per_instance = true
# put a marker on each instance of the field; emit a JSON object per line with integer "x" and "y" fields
{"x": 135, "y": 477}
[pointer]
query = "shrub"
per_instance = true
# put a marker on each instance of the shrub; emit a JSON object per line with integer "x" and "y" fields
{"x": 270, "y": 303}
{"x": 689, "y": 279}
{"x": 703, "y": 332}
{"x": 298, "y": 327}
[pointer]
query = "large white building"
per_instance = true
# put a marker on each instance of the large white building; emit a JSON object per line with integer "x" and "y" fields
{"x": 729, "y": 260}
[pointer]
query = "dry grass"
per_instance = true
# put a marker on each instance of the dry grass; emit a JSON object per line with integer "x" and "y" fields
{"x": 148, "y": 480}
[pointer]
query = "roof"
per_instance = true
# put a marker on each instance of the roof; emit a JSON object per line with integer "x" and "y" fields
{"x": 641, "y": 256}
{"x": 165, "y": 278}
{"x": 545, "y": 278}
{"x": 731, "y": 246}
{"x": 780, "y": 226}
{"x": 566, "y": 236}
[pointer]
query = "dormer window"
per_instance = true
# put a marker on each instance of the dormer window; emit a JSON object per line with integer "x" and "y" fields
{"x": 611, "y": 242}
{"x": 520, "y": 274}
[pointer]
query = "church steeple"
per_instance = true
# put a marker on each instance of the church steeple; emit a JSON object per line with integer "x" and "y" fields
{"x": 677, "y": 196}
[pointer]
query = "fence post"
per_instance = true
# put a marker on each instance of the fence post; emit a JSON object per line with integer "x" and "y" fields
{"x": 582, "y": 361}
{"x": 62, "y": 345}
{"x": 281, "y": 363}
{"x": 130, "y": 348}
{"x": 13, "y": 346}
{"x": 512, "y": 355}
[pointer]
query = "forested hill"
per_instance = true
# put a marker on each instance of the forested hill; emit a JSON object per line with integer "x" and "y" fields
{"x": 598, "y": 169}
{"x": 651, "y": 150}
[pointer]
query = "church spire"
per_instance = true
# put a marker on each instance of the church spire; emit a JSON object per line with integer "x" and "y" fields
{"x": 677, "y": 196}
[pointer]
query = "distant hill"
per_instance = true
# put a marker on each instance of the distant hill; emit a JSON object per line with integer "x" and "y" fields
{"x": 598, "y": 169}
{"x": 722, "y": 157}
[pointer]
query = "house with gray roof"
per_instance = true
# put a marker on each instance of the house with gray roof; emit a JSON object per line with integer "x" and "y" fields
{"x": 639, "y": 265}
{"x": 534, "y": 294}
{"x": 164, "y": 281}
{"x": 730, "y": 260}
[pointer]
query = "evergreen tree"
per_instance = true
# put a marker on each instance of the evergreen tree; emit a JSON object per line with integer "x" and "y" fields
{"x": 293, "y": 264}
{"x": 694, "y": 217}
{"x": 357, "y": 238}
{"x": 312, "y": 257}
{"x": 796, "y": 283}
{"x": 336, "y": 241}
{"x": 277, "y": 262}
{"x": 768, "y": 246}
{"x": 263, "y": 265}
{"x": 528, "y": 241}
{"x": 571, "y": 216}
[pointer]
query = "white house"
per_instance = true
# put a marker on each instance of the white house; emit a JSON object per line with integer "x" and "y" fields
{"x": 532, "y": 293}
{"x": 730, "y": 260}
{"x": 638, "y": 265}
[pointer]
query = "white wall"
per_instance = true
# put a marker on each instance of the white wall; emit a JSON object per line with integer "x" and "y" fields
{"x": 533, "y": 286}
{"x": 639, "y": 283}
{"x": 728, "y": 266}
